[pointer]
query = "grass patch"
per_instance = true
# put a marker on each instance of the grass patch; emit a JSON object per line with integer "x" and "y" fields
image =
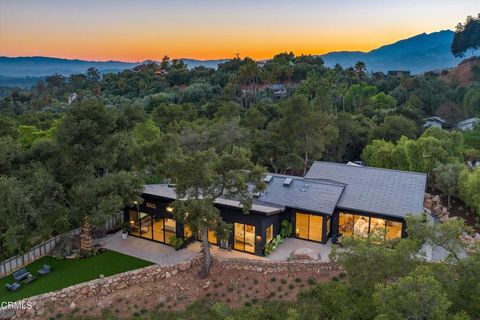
{"x": 66, "y": 273}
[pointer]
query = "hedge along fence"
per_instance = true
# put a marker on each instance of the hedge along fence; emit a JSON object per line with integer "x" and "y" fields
{"x": 43, "y": 249}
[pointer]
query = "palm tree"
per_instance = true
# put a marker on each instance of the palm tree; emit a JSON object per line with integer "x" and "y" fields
{"x": 360, "y": 69}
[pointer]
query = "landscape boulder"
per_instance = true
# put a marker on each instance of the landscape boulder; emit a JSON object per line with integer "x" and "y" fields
{"x": 304, "y": 254}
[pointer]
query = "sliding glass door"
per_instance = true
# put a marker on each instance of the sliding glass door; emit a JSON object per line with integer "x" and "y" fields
{"x": 244, "y": 237}
{"x": 308, "y": 226}
{"x": 151, "y": 227}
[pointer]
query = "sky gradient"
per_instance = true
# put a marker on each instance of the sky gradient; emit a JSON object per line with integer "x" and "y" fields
{"x": 209, "y": 29}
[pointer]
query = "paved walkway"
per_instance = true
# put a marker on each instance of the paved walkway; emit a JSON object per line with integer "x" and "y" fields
{"x": 162, "y": 254}
{"x": 147, "y": 250}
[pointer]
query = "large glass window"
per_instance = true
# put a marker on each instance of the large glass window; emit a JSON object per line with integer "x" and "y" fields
{"x": 394, "y": 230}
{"x": 269, "y": 233}
{"x": 346, "y": 222}
{"x": 146, "y": 225}
{"x": 134, "y": 222}
{"x": 170, "y": 229}
{"x": 308, "y": 226}
{"x": 361, "y": 226}
{"x": 187, "y": 232}
{"x": 158, "y": 229}
{"x": 244, "y": 237}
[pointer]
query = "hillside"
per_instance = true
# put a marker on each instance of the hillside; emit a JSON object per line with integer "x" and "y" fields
{"x": 421, "y": 53}
{"x": 19, "y": 67}
{"x": 463, "y": 74}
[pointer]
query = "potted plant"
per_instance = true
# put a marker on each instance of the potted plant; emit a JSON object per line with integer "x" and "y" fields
{"x": 125, "y": 230}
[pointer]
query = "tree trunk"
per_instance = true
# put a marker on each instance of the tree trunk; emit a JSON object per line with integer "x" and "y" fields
{"x": 448, "y": 201}
{"x": 206, "y": 254}
{"x": 86, "y": 242}
{"x": 305, "y": 164}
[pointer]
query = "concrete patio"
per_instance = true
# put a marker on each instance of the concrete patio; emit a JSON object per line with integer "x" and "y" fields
{"x": 163, "y": 254}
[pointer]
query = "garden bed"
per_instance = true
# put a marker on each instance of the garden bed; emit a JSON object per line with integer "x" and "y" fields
{"x": 231, "y": 287}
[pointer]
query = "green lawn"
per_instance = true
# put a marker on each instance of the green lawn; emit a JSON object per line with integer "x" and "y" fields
{"x": 69, "y": 272}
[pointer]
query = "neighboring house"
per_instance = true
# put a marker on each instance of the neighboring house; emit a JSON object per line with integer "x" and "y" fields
{"x": 332, "y": 201}
{"x": 279, "y": 90}
{"x": 72, "y": 97}
{"x": 398, "y": 73}
{"x": 468, "y": 124}
{"x": 434, "y": 122}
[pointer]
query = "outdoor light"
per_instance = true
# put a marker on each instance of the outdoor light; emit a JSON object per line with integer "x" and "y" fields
{"x": 259, "y": 238}
{"x": 135, "y": 202}
{"x": 169, "y": 209}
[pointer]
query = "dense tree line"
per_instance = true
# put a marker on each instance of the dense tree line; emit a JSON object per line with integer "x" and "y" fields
{"x": 78, "y": 148}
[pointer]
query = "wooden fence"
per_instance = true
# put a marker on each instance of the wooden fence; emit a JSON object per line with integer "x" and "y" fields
{"x": 10, "y": 265}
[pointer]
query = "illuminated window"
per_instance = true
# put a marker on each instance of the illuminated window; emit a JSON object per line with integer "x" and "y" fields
{"x": 187, "y": 232}
{"x": 151, "y": 205}
{"x": 308, "y": 226}
{"x": 244, "y": 237}
{"x": 269, "y": 233}
{"x": 170, "y": 229}
{"x": 134, "y": 223}
{"x": 158, "y": 227}
{"x": 212, "y": 237}
{"x": 394, "y": 230}
{"x": 362, "y": 226}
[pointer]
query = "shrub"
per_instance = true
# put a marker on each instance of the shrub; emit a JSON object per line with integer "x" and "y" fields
{"x": 272, "y": 245}
{"x": 286, "y": 230}
{"x": 176, "y": 242}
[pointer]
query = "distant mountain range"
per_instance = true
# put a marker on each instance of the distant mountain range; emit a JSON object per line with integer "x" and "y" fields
{"x": 44, "y": 66}
{"x": 421, "y": 53}
{"x": 418, "y": 54}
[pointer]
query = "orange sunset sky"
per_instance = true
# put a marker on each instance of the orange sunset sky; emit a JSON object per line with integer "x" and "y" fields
{"x": 146, "y": 29}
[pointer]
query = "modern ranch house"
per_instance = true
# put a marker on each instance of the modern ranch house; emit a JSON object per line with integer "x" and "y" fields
{"x": 332, "y": 201}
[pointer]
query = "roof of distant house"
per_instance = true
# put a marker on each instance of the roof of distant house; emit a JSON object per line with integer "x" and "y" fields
{"x": 374, "y": 190}
{"x": 468, "y": 121}
{"x": 435, "y": 119}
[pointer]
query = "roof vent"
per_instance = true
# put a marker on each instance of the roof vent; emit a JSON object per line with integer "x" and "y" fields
{"x": 256, "y": 195}
{"x": 306, "y": 185}
{"x": 303, "y": 190}
{"x": 287, "y": 181}
{"x": 268, "y": 178}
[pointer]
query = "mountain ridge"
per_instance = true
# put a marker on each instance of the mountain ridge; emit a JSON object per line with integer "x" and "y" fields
{"x": 417, "y": 54}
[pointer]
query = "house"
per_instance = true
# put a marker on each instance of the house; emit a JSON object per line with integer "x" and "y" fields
{"x": 398, "y": 73}
{"x": 468, "y": 124}
{"x": 434, "y": 122}
{"x": 332, "y": 201}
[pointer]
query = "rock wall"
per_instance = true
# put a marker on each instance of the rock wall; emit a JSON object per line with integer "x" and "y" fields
{"x": 434, "y": 204}
{"x": 100, "y": 287}
{"x": 268, "y": 266}
{"x": 103, "y": 286}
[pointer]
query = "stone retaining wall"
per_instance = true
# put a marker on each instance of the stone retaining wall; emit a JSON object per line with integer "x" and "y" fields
{"x": 99, "y": 287}
{"x": 104, "y": 286}
{"x": 268, "y": 266}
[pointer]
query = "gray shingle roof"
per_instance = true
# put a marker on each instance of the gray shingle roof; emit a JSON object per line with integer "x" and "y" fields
{"x": 303, "y": 194}
{"x": 309, "y": 195}
{"x": 374, "y": 190}
{"x": 165, "y": 191}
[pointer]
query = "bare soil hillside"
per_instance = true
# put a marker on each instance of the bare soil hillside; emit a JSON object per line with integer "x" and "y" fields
{"x": 462, "y": 74}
